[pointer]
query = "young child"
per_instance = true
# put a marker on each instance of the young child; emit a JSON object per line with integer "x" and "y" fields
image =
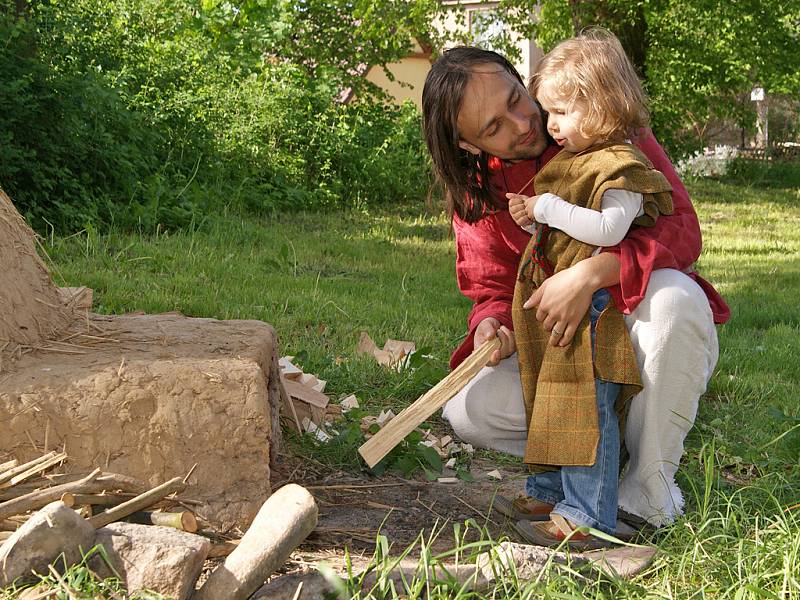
{"x": 589, "y": 195}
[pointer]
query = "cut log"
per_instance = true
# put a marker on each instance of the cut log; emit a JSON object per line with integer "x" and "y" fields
{"x": 266, "y": 545}
{"x": 184, "y": 520}
{"x": 141, "y": 501}
{"x": 223, "y": 549}
{"x": 40, "y": 498}
{"x": 380, "y": 444}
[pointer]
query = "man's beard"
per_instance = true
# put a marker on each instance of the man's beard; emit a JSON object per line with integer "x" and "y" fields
{"x": 540, "y": 142}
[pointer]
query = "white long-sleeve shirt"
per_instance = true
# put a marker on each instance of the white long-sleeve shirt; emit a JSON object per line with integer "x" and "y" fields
{"x": 606, "y": 227}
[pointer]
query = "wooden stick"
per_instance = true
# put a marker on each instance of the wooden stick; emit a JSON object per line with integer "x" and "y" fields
{"x": 138, "y": 503}
{"x": 345, "y": 486}
{"x": 8, "y": 525}
{"x": 184, "y": 520}
{"x": 8, "y": 465}
{"x": 34, "y": 470}
{"x": 223, "y": 549}
{"x": 380, "y": 444}
{"x": 39, "y": 498}
{"x": 7, "y": 475}
{"x": 106, "y": 482}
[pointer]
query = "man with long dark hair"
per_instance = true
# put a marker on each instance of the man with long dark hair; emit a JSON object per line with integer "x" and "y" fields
{"x": 487, "y": 137}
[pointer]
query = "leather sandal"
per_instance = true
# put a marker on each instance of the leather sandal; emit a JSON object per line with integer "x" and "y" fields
{"x": 558, "y": 532}
{"x": 522, "y": 508}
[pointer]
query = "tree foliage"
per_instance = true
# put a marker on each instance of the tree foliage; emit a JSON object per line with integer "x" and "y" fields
{"x": 699, "y": 58}
{"x": 156, "y": 112}
{"x": 151, "y": 112}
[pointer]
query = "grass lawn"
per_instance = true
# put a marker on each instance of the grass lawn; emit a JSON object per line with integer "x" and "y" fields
{"x": 320, "y": 279}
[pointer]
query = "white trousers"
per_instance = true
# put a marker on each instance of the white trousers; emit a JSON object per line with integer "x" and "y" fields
{"x": 676, "y": 346}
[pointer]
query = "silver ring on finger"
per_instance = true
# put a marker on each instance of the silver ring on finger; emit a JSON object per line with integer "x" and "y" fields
{"x": 556, "y": 332}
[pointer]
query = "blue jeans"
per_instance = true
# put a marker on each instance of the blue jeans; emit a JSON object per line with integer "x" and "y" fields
{"x": 588, "y": 495}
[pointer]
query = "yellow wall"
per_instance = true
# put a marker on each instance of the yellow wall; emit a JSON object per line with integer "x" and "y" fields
{"x": 411, "y": 70}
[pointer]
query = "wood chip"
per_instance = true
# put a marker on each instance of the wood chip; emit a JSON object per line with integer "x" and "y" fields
{"x": 385, "y": 417}
{"x": 288, "y": 369}
{"x": 308, "y": 380}
{"x": 349, "y": 403}
{"x": 497, "y": 475}
{"x": 313, "y": 429}
{"x": 301, "y": 392}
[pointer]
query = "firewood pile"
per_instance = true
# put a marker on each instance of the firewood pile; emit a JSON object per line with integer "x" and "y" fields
{"x": 99, "y": 497}
{"x": 148, "y": 535}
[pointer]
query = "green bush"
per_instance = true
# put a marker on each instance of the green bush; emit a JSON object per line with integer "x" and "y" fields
{"x": 69, "y": 146}
{"x": 764, "y": 173}
{"x": 145, "y": 115}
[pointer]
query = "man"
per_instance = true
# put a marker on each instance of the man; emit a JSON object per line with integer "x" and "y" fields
{"x": 487, "y": 137}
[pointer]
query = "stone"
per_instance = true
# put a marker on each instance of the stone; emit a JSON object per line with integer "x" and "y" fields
{"x": 148, "y": 557}
{"x": 150, "y": 396}
{"x": 527, "y": 562}
{"x": 53, "y": 530}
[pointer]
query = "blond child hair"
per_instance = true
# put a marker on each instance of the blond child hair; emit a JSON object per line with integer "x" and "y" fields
{"x": 594, "y": 70}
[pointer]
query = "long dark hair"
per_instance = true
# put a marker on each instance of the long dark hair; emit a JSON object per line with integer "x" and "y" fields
{"x": 465, "y": 176}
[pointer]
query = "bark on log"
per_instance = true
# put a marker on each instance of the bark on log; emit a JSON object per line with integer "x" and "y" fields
{"x": 266, "y": 545}
{"x": 40, "y": 498}
{"x": 100, "y": 499}
{"x": 138, "y": 503}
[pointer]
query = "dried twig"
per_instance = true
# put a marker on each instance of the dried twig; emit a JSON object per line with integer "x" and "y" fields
{"x": 40, "y": 498}
{"x": 351, "y": 487}
{"x": 138, "y": 503}
{"x": 14, "y": 471}
{"x": 35, "y": 470}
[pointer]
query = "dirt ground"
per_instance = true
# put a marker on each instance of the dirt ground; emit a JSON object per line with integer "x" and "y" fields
{"x": 353, "y": 509}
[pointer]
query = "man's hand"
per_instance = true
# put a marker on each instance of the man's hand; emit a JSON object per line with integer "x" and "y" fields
{"x": 563, "y": 299}
{"x": 490, "y": 328}
{"x": 516, "y": 206}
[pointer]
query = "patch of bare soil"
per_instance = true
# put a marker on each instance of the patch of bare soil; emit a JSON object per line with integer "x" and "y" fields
{"x": 354, "y": 509}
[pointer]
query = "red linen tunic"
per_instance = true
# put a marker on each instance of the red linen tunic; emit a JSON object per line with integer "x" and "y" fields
{"x": 488, "y": 251}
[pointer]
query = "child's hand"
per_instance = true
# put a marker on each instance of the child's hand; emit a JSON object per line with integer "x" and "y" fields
{"x": 530, "y": 204}
{"x": 516, "y": 206}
